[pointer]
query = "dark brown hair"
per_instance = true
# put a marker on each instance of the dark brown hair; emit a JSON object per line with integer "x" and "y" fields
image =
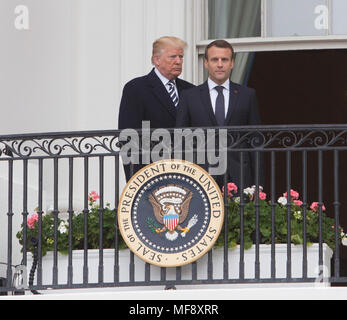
{"x": 220, "y": 44}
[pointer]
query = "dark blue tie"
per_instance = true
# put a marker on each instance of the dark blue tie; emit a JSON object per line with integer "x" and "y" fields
{"x": 220, "y": 108}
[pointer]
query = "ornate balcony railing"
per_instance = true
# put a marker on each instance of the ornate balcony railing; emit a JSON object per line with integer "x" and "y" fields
{"x": 55, "y": 172}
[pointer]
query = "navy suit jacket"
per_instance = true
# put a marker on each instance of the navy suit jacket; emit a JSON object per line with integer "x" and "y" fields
{"x": 195, "y": 110}
{"x": 146, "y": 99}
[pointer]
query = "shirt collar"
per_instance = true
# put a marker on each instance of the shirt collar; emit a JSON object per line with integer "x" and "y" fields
{"x": 212, "y": 84}
{"x": 163, "y": 79}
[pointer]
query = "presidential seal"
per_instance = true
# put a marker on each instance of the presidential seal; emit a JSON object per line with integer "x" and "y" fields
{"x": 170, "y": 213}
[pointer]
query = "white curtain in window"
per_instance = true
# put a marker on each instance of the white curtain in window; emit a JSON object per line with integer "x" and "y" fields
{"x": 235, "y": 19}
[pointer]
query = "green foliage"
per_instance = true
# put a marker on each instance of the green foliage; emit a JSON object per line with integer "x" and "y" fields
{"x": 48, "y": 228}
{"x": 96, "y": 219}
{"x": 62, "y": 228}
{"x": 281, "y": 213}
{"x": 152, "y": 225}
{"x": 93, "y": 218}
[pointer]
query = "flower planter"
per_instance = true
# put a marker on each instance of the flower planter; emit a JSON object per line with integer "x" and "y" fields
{"x": 280, "y": 261}
{"x": 186, "y": 274}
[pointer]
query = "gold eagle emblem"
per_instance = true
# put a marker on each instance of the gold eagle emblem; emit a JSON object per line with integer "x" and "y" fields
{"x": 171, "y": 207}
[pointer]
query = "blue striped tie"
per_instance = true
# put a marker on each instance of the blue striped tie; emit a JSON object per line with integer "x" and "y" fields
{"x": 172, "y": 93}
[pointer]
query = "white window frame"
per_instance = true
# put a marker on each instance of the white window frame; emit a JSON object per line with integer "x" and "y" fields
{"x": 264, "y": 43}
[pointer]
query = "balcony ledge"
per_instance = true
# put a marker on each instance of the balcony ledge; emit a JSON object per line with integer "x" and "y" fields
{"x": 221, "y": 292}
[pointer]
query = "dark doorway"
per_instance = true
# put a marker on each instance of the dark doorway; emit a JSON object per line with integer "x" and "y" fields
{"x": 305, "y": 87}
{"x": 301, "y": 87}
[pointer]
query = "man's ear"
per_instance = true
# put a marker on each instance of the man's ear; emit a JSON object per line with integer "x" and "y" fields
{"x": 155, "y": 60}
{"x": 205, "y": 63}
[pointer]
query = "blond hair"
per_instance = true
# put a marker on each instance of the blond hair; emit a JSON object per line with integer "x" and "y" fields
{"x": 162, "y": 43}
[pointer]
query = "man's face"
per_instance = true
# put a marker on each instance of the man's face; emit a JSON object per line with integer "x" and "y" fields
{"x": 170, "y": 62}
{"x": 219, "y": 64}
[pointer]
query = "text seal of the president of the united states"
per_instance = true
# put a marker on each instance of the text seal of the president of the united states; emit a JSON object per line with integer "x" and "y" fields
{"x": 170, "y": 213}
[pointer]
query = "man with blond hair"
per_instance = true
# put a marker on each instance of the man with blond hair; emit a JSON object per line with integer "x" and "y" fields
{"x": 155, "y": 96}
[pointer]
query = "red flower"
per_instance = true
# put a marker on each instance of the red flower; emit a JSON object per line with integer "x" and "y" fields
{"x": 298, "y": 202}
{"x": 314, "y": 206}
{"x": 262, "y": 195}
{"x": 294, "y": 195}
{"x": 32, "y": 219}
{"x": 93, "y": 196}
{"x": 232, "y": 187}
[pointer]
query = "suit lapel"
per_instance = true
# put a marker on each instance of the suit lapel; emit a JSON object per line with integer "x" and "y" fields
{"x": 233, "y": 99}
{"x": 206, "y": 101}
{"x": 161, "y": 93}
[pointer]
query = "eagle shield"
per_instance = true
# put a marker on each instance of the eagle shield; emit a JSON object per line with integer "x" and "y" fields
{"x": 171, "y": 206}
{"x": 171, "y": 221}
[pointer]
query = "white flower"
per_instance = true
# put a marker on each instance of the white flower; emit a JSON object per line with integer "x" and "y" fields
{"x": 344, "y": 241}
{"x": 62, "y": 227}
{"x": 282, "y": 201}
{"x": 297, "y": 215}
{"x": 249, "y": 191}
{"x": 237, "y": 199}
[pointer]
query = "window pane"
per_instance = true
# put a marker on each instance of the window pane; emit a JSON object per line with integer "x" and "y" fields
{"x": 339, "y": 22}
{"x": 296, "y": 17}
{"x": 234, "y": 18}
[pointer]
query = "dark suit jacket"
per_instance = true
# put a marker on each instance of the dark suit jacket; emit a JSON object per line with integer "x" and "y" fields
{"x": 146, "y": 98}
{"x": 195, "y": 110}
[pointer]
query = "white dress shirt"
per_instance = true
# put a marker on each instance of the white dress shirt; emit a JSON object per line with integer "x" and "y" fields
{"x": 214, "y": 94}
{"x": 165, "y": 81}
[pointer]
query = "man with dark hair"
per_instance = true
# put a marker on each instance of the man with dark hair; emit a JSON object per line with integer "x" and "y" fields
{"x": 154, "y": 97}
{"x": 219, "y": 44}
{"x": 220, "y": 102}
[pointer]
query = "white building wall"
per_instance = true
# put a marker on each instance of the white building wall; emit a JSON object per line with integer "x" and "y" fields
{"x": 36, "y": 68}
{"x": 67, "y": 71}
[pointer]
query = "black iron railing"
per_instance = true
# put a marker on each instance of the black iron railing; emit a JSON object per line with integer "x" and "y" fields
{"x": 55, "y": 173}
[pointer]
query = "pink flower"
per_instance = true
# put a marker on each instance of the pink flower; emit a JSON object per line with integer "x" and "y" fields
{"x": 298, "y": 202}
{"x": 32, "y": 219}
{"x": 232, "y": 187}
{"x": 314, "y": 206}
{"x": 93, "y": 196}
{"x": 262, "y": 195}
{"x": 294, "y": 195}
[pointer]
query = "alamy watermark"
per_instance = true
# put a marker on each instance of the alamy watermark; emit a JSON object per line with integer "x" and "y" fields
{"x": 322, "y": 279}
{"x": 20, "y": 279}
{"x": 321, "y": 22}
{"x": 204, "y": 147}
{"x": 21, "y": 21}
